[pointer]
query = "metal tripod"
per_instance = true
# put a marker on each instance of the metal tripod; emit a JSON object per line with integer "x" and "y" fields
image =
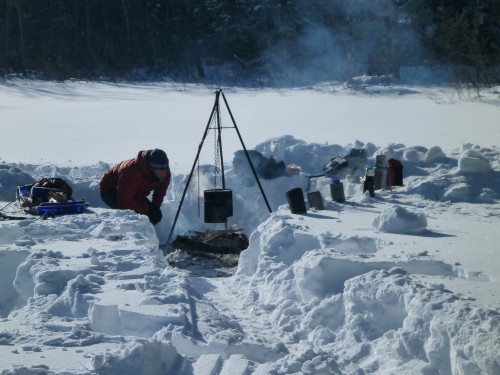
{"x": 215, "y": 114}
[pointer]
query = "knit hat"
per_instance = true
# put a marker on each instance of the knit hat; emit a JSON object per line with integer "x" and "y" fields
{"x": 158, "y": 159}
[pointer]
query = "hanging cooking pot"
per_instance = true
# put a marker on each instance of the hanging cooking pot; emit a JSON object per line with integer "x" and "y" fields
{"x": 218, "y": 205}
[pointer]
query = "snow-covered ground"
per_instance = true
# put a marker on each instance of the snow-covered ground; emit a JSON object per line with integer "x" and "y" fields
{"x": 406, "y": 282}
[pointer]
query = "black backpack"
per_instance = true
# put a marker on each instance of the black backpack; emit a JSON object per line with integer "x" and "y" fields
{"x": 41, "y": 189}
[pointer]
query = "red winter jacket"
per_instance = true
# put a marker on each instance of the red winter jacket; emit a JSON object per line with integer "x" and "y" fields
{"x": 133, "y": 181}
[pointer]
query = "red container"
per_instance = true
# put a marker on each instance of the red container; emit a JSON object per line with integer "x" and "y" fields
{"x": 394, "y": 173}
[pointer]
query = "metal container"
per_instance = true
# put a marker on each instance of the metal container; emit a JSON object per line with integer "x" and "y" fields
{"x": 394, "y": 173}
{"x": 315, "y": 200}
{"x": 337, "y": 191}
{"x": 295, "y": 198}
{"x": 380, "y": 178}
{"x": 369, "y": 182}
{"x": 380, "y": 161}
{"x": 218, "y": 205}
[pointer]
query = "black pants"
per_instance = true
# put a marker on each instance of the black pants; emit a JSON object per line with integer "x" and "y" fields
{"x": 110, "y": 198}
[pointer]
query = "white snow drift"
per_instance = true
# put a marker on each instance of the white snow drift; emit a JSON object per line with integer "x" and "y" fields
{"x": 406, "y": 282}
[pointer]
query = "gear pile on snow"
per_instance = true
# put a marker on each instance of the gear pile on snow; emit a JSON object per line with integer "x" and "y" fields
{"x": 343, "y": 165}
{"x": 48, "y": 197}
{"x": 266, "y": 168}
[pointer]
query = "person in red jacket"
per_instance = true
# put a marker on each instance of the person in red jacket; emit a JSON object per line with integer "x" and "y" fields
{"x": 128, "y": 184}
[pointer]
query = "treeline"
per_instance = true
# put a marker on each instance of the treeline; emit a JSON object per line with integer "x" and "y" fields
{"x": 254, "y": 40}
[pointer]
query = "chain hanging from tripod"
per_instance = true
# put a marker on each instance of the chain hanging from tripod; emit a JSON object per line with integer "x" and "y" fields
{"x": 217, "y": 128}
{"x": 214, "y": 124}
{"x": 198, "y": 183}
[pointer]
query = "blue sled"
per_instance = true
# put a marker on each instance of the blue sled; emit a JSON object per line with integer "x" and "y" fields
{"x": 61, "y": 208}
{"x": 51, "y": 208}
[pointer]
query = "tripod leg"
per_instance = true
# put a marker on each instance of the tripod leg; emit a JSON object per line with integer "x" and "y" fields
{"x": 216, "y": 104}
{"x": 246, "y": 153}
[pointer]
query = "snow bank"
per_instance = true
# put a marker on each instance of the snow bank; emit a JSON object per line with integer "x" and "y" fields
{"x": 377, "y": 316}
{"x": 473, "y": 161}
{"x": 10, "y": 178}
{"x": 9, "y": 263}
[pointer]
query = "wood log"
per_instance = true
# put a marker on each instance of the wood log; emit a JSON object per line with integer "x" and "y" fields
{"x": 219, "y": 242}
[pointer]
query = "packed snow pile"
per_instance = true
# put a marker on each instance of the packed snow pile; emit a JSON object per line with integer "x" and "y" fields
{"x": 398, "y": 219}
{"x": 389, "y": 284}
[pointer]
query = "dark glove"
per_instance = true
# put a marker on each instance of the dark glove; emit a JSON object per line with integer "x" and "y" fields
{"x": 154, "y": 214}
